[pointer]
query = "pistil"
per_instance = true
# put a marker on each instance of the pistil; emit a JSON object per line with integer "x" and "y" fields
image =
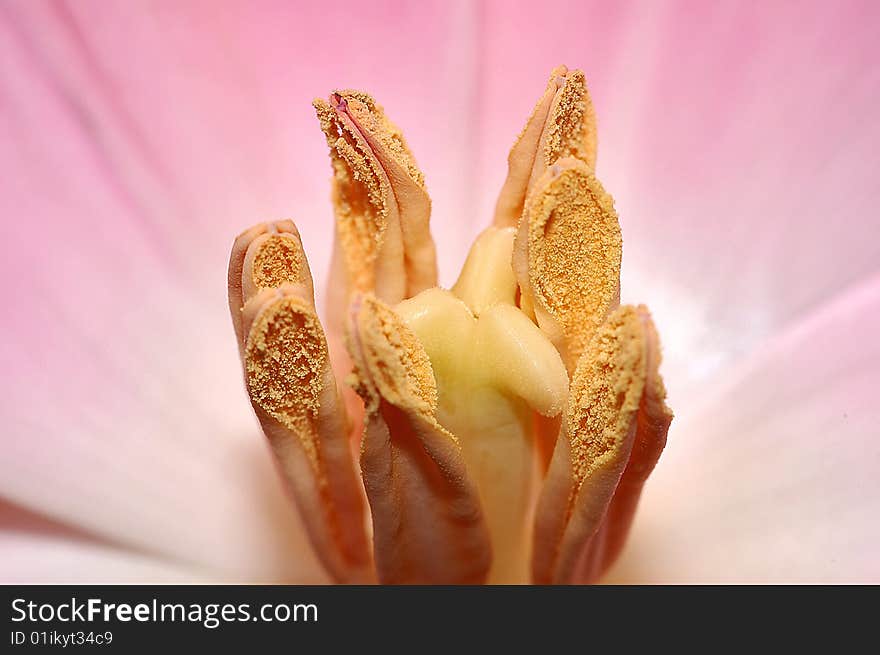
{"x": 494, "y": 368}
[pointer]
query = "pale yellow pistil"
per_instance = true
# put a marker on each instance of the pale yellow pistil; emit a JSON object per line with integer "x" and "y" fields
{"x": 492, "y": 366}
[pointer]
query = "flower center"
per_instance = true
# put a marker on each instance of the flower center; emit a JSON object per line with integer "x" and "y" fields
{"x": 493, "y": 367}
{"x": 506, "y": 426}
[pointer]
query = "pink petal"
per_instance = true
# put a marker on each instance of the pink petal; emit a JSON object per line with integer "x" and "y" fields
{"x": 34, "y": 550}
{"x": 35, "y": 559}
{"x": 773, "y": 477}
{"x": 739, "y": 140}
{"x": 137, "y": 142}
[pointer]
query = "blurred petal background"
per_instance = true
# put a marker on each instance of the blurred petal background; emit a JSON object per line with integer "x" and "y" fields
{"x": 740, "y": 141}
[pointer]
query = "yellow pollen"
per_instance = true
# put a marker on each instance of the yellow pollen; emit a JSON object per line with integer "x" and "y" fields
{"x": 605, "y": 392}
{"x": 572, "y": 127}
{"x": 575, "y": 251}
{"x": 277, "y": 261}
{"x": 285, "y": 356}
{"x": 359, "y": 196}
{"x": 373, "y": 119}
{"x": 396, "y": 361}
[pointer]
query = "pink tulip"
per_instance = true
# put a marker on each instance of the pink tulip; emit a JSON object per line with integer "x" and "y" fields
{"x": 741, "y": 144}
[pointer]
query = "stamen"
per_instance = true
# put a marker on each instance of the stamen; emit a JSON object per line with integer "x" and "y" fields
{"x": 265, "y": 257}
{"x": 652, "y": 424}
{"x": 381, "y": 205}
{"x": 613, "y": 379}
{"x": 428, "y": 524}
{"x": 383, "y": 243}
{"x": 605, "y": 393}
{"x": 393, "y": 360}
{"x": 567, "y": 256}
{"x": 563, "y": 124}
{"x": 285, "y": 356}
{"x": 294, "y": 395}
{"x": 360, "y": 193}
{"x": 375, "y": 125}
{"x": 570, "y": 130}
{"x": 276, "y": 261}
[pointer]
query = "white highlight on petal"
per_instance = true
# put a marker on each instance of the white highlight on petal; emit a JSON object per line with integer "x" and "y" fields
{"x": 773, "y": 478}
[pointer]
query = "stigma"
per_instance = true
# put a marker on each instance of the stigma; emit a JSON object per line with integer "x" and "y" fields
{"x": 494, "y": 369}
